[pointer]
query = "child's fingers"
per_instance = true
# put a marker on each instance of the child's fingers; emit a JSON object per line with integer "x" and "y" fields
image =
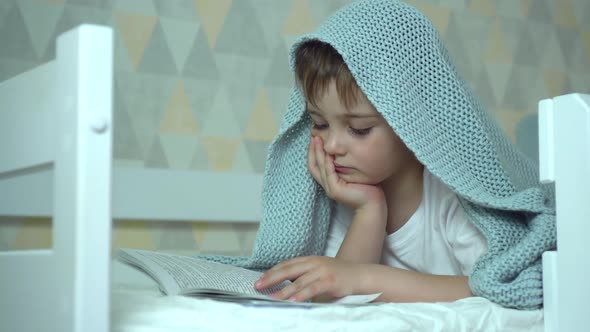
{"x": 304, "y": 288}
{"x": 331, "y": 177}
{"x": 312, "y": 162}
{"x": 320, "y": 156}
{"x": 287, "y": 270}
{"x": 327, "y": 170}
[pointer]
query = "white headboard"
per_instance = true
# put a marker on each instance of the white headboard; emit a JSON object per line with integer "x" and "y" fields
{"x": 59, "y": 116}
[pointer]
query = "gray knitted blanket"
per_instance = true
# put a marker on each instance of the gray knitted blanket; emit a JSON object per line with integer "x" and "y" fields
{"x": 400, "y": 63}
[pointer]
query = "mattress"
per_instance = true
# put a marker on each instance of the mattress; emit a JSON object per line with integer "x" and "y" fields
{"x": 138, "y": 305}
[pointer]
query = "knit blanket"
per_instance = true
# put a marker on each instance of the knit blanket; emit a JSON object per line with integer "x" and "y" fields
{"x": 398, "y": 60}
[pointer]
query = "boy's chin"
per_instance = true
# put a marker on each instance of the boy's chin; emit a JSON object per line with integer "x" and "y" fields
{"x": 356, "y": 180}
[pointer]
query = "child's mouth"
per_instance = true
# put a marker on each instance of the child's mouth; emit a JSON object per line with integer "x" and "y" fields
{"x": 342, "y": 169}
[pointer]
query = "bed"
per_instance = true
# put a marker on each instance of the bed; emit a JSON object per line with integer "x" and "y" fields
{"x": 68, "y": 130}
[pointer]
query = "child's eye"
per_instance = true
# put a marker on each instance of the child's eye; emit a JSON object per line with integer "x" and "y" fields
{"x": 361, "y": 132}
{"x": 319, "y": 126}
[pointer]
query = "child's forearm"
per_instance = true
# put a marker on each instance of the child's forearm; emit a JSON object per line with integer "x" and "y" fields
{"x": 398, "y": 285}
{"x": 363, "y": 242}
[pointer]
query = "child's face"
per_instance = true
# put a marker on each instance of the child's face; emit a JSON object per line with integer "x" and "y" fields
{"x": 365, "y": 148}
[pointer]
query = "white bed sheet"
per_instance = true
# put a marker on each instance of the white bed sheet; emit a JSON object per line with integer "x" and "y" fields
{"x": 138, "y": 305}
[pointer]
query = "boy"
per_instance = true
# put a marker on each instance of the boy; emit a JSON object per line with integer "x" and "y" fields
{"x": 484, "y": 185}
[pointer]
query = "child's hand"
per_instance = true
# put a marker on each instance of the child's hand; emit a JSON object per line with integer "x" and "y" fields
{"x": 316, "y": 275}
{"x": 321, "y": 167}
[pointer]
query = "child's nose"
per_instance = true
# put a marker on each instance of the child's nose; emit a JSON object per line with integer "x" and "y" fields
{"x": 333, "y": 144}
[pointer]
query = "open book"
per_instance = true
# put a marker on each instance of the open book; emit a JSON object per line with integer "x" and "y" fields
{"x": 186, "y": 275}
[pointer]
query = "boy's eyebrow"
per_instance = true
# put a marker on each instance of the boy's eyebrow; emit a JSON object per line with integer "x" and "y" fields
{"x": 347, "y": 115}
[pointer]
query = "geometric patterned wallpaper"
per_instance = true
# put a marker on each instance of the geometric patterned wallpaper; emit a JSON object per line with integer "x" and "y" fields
{"x": 203, "y": 84}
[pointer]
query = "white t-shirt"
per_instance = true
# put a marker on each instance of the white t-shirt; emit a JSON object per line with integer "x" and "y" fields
{"x": 437, "y": 239}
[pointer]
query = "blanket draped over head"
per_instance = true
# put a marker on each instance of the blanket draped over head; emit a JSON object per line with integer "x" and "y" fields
{"x": 401, "y": 65}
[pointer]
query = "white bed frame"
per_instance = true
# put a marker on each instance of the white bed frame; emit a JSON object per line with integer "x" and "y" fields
{"x": 564, "y": 158}
{"x": 59, "y": 115}
{"x": 56, "y": 141}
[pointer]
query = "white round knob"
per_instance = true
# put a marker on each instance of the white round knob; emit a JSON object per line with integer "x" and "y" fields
{"x": 99, "y": 125}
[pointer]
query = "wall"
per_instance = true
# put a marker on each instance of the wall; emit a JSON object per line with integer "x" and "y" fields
{"x": 203, "y": 84}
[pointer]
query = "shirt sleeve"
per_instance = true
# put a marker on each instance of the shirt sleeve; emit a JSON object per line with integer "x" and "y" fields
{"x": 466, "y": 241}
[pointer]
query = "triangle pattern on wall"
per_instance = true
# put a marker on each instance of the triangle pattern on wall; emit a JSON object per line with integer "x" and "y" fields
{"x": 199, "y": 158}
{"x": 272, "y": 16}
{"x": 156, "y": 157}
{"x": 200, "y": 63}
{"x": 516, "y": 97}
{"x": 551, "y": 55}
{"x": 41, "y": 20}
{"x": 579, "y": 57}
{"x": 177, "y": 9}
{"x": 74, "y": 15}
{"x": 157, "y": 58}
{"x": 221, "y": 152}
{"x": 220, "y": 238}
{"x": 241, "y": 33}
{"x": 99, "y": 4}
{"x": 125, "y": 145}
{"x": 15, "y": 37}
{"x": 246, "y": 233}
{"x": 212, "y": 14}
{"x": 221, "y": 121}
{"x": 9, "y": 226}
{"x": 568, "y": 39}
{"x": 34, "y": 233}
{"x": 484, "y": 90}
{"x": 204, "y": 84}
{"x": 483, "y": 7}
{"x": 175, "y": 236}
{"x": 279, "y": 98}
{"x": 179, "y": 37}
{"x": 439, "y": 16}
{"x": 526, "y": 53}
{"x": 136, "y": 32}
{"x": 145, "y": 99}
{"x": 201, "y": 94}
{"x": 178, "y": 117}
{"x": 5, "y": 7}
{"x": 279, "y": 73}
{"x": 257, "y": 151}
{"x": 241, "y": 96}
{"x": 564, "y": 15}
{"x": 242, "y": 162}
{"x": 498, "y": 75}
{"x": 199, "y": 229}
{"x": 556, "y": 82}
{"x": 539, "y": 11}
{"x": 497, "y": 51}
{"x": 262, "y": 125}
{"x": 137, "y": 7}
{"x": 300, "y": 20}
{"x": 121, "y": 56}
{"x": 582, "y": 12}
{"x": 176, "y": 148}
{"x": 133, "y": 234}
{"x": 454, "y": 43}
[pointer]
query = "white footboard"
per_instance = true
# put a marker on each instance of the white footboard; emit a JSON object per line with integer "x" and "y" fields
{"x": 59, "y": 116}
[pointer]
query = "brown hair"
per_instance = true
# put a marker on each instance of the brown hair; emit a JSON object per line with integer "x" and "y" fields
{"x": 316, "y": 64}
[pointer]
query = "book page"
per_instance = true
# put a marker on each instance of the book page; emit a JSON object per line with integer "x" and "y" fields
{"x": 186, "y": 275}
